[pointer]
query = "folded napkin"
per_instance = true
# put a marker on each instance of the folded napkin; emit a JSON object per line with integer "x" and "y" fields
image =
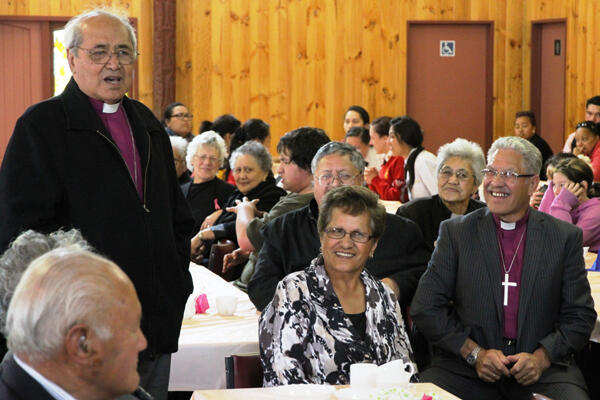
{"x": 201, "y": 304}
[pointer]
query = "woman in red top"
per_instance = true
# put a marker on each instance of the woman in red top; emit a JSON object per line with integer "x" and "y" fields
{"x": 587, "y": 137}
{"x": 389, "y": 181}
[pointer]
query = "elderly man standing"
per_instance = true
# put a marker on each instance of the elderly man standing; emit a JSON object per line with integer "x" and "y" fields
{"x": 291, "y": 241}
{"x": 95, "y": 160}
{"x": 73, "y": 327}
{"x": 505, "y": 301}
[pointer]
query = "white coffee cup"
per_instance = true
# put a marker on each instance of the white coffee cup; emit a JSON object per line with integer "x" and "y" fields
{"x": 394, "y": 373}
{"x": 226, "y": 305}
{"x": 362, "y": 375}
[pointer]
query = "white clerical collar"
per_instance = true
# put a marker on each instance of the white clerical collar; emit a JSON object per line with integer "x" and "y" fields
{"x": 508, "y": 226}
{"x": 110, "y": 108}
{"x": 52, "y": 388}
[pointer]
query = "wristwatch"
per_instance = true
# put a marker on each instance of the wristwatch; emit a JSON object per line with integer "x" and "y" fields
{"x": 472, "y": 357}
{"x": 199, "y": 235}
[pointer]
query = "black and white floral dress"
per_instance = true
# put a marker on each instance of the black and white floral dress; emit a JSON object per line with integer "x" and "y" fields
{"x": 305, "y": 336}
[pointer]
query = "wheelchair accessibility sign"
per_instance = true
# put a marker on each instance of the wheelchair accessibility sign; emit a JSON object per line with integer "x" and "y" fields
{"x": 447, "y": 48}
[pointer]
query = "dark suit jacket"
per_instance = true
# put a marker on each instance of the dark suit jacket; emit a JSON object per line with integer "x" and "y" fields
{"x": 16, "y": 384}
{"x": 556, "y": 309}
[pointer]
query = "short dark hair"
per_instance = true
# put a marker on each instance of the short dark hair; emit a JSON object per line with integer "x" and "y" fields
{"x": 169, "y": 110}
{"x": 381, "y": 126}
{"x": 364, "y": 115}
{"x": 253, "y": 129}
{"x": 593, "y": 100}
{"x": 360, "y": 132}
{"x": 590, "y": 126}
{"x": 353, "y": 200}
{"x": 302, "y": 145}
{"x": 528, "y": 114}
{"x": 224, "y": 124}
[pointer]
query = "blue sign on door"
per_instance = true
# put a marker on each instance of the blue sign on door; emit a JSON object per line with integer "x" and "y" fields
{"x": 447, "y": 48}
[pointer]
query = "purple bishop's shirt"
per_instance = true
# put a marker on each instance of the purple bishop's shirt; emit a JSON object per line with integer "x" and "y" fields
{"x": 509, "y": 240}
{"x": 115, "y": 120}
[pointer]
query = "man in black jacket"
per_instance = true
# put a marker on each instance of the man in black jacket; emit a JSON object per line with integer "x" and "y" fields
{"x": 95, "y": 160}
{"x": 291, "y": 241}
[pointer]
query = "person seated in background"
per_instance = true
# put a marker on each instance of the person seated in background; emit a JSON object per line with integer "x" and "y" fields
{"x": 73, "y": 328}
{"x": 178, "y": 121}
{"x": 334, "y": 313}
{"x": 459, "y": 176}
{"x": 358, "y": 136}
{"x": 388, "y": 182}
{"x": 225, "y": 125}
{"x": 539, "y": 199}
{"x": 26, "y": 247}
{"x": 525, "y": 127}
{"x": 291, "y": 241}
{"x": 254, "y": 180}
{"x": 505, "y": 300}
{"x": 576, "y": 200}
{"x": 406, "y": 140}
{"x": 592, "y": 113}
{"x": 254, "y": 129}
{"x": 296, "y": 150}
{"x": 179, "y": 146}
{"x": 355, "y": 116}
{"x": 206, "y": 193}
{"x": 587, "y": 136}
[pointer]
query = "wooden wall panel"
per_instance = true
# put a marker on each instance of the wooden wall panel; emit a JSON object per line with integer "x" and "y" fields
{"x": 140, "y": 9}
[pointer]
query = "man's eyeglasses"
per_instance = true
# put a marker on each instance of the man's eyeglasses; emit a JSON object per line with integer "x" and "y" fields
{"x": 506, "y": 176}
{"x": 343, "y": 177}
{"x": 182, "y": 116}
{"x": 461, "y": 174}
{"x": 339, "y": 233}
{"x": 102, "y": 56}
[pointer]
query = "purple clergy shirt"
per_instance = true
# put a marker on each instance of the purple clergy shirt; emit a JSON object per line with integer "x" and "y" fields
{"x": 118, "y": 126}
{"x": 509, "y": 240}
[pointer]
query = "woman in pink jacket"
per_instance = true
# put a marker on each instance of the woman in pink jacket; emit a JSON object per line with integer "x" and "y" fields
{"x": 575, "y": 199}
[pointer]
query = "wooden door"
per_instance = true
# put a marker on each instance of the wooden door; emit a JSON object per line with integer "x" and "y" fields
{"x": 25, "y": 74}
{"x": 449, "y": 81}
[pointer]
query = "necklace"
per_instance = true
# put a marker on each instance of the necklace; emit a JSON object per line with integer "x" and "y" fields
{"x": 506, "y": 283}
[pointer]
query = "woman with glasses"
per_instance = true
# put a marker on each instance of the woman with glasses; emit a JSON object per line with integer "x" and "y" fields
{"x": 587, "y": 137}
{"x": 576, "y": 199}
{"x": 459, "y": 174}
{"x": 334, "y": 313}
{"x": 178, "y": 121}
{"x": 206, "y": 193}
{"x": 406, "y": 140}
{"x": 251, "y": 166}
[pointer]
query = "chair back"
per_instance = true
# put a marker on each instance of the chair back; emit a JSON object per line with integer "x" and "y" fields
{"x": 243, "y": 371}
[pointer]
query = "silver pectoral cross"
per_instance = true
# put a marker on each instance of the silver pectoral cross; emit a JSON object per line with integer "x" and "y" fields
{"x": 506, "y": 284}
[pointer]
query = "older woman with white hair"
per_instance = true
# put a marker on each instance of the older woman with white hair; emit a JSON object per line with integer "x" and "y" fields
{"x": 458, "y": 178}
{"x": 206, "y": 193}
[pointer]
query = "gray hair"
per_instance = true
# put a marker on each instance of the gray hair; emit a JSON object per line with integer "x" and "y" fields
{"x": 28, "y": 246}
{"x": 179, "y": 144}
{"x": 341, "y": 149}
{"x": 532, "y": 158}
{"x": 73, "y": 37}
{"x": 256, "y": 150}
{"x": 60, "y": 289}
{"x": 466, "y": 150}
{"x": 353, "y": 200}
{"x": 209, "y": 139}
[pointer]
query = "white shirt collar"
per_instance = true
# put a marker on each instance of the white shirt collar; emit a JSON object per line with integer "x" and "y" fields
{"x": 508, "y": 226}
{"x": 52, "y": 388}
{"x": 110, "y": 108}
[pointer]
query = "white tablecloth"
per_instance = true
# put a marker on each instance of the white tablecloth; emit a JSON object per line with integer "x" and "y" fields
{"x": 206, "y": 339}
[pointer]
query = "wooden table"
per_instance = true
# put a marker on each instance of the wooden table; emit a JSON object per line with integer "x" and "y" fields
{"x": 206, "y": 339}
{"x": 267, "y": 393}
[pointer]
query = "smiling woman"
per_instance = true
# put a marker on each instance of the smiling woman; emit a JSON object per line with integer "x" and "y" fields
{"x": 334, "y": 313}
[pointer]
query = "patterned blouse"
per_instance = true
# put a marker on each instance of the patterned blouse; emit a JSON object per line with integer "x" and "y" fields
{"x": 305, "y": 336}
